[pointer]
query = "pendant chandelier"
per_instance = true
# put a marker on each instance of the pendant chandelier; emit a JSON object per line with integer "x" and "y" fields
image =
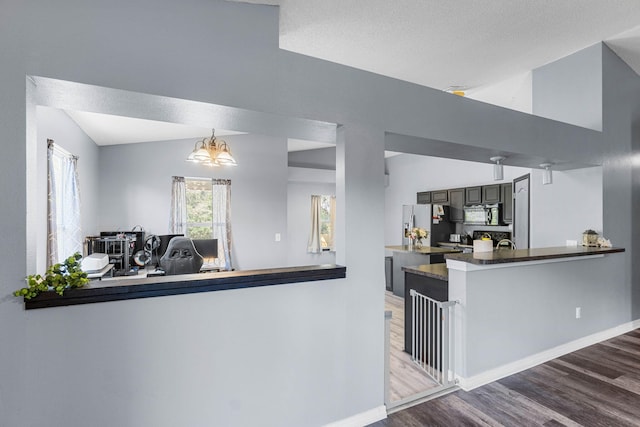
{"x": 212, "y": 152}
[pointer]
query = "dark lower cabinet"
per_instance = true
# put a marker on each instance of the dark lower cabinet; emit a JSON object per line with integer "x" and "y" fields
{"x": 436, "y": 289}
{"x": 388, "y": 273}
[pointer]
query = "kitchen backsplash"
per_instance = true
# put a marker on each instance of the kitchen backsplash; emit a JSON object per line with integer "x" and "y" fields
{"x": 496, "y": 236}
{"x": 469, "y": 229}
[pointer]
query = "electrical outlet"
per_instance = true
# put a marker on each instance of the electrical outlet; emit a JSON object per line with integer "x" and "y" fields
{"x": 572, "y": 243}
{"x": 278, "y": 237}
{"x": 578, "y": 312}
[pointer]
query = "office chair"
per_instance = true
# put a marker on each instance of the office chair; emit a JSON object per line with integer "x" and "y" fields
{"x": 181, "y": 257}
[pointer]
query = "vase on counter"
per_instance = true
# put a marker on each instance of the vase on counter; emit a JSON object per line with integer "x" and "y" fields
{"x": 418, "y": 244}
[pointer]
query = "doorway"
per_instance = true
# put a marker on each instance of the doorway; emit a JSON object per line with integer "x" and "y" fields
{"x": 405, "y": 378}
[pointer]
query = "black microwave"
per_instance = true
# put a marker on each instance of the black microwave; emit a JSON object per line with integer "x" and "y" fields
{"x": 483, "y": 214}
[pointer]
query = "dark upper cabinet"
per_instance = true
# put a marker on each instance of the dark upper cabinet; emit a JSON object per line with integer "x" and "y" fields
{"x": 424, "y": 197}
{"x": 459, "y": 197}
{"x": 456, "y": 204}
{"x": 473, "y": 195}
{"x": 440, "y": 196}
{"x": 491, "y": 194}
{"x": 507, "y": 202}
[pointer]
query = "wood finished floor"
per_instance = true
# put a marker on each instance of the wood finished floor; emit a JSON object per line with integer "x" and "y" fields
{"x": 406, "y": 378}
{"x": 596, "y": 386}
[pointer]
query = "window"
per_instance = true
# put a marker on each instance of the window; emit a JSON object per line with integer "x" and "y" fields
{"x": 323, "y": 211}
{"x": 199, "y": 198}
{"x": 327, "y": 211}
{"x": 200, "y": 209}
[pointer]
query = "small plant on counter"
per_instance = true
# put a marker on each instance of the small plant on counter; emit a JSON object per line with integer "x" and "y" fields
{"x": 58, "y": 277}
{"x": 417, "y": 234}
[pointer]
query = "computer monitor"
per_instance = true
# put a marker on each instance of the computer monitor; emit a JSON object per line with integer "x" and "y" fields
{"x": 208, "y": 248}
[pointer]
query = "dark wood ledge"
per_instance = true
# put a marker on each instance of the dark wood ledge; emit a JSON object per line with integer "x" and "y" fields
{"x": 116, "y": 290}
{"x": 502, "y": 256}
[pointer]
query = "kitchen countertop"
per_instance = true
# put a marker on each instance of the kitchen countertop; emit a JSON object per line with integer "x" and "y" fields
{"x": 425, "y": 250}
{"x": 454, "y": 245}
{"x": 503, "y": 256}
{"x": 436, "y": 271}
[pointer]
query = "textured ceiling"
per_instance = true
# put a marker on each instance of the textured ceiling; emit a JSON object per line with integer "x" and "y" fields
{"x": 465, "y": 44}
{"x": 462, "y": 43}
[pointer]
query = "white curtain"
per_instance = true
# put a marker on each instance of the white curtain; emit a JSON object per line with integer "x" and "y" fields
{"x": 332, "y": 246}
{"x": 178, "y": 214}
{"x": 52, "y": 239}
{"x": 314, "y": 245}
{"x": 222, "y": 222}
{"x": 64, "y": 224}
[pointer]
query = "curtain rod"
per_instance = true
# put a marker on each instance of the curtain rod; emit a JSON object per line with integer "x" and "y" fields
{"x": 214, "y": 180}
{"x": 61, "y": 150}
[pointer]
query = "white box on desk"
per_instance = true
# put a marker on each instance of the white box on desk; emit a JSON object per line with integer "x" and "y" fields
{"x": 94, "y": 262}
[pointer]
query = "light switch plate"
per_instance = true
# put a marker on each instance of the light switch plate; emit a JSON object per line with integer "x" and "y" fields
{"x": 278, "y": 237}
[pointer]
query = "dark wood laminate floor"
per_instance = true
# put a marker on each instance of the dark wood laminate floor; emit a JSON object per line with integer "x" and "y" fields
{"x": 596, "y": 386}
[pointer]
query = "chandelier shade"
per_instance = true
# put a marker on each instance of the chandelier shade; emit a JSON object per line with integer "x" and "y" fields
{"x": 212, "y": 152}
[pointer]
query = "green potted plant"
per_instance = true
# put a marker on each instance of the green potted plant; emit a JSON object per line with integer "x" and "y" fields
{"x": 58, "y": 277}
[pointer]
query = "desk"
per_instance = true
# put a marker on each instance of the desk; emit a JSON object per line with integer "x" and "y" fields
{"x": 156, "y": 272}
{"x": 100, "y": 273}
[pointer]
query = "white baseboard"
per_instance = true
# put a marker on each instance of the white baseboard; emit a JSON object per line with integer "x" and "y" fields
{"x": 475, "y": 381}
{"x": 362, "y": 419}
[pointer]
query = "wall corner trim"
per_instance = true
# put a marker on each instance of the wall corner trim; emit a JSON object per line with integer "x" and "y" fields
{"x": 470, "y": 383}
{"x": 361, "y": 419}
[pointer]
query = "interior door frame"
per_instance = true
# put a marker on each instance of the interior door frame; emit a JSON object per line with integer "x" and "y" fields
{"x": 516, "y": 180}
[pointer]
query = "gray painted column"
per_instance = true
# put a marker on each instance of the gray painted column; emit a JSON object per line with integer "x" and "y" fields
{"x": 360, "y": 243}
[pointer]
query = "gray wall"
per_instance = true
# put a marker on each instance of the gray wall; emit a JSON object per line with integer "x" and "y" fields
{"x": 135, "y": 189}
{"x": 409, "y": 174}
{"x": 513, "y": 314}
{"x": 302, "y": 185}
{"x": 320, "y": 158}
{"x": 561, "y": 211}
{"x": 566, "y": 208}
{"x": 564, "y": 90}
{"x": 620, "y": 107}
{"x": 232, "y": 357}
{"x": 621, "y": 111}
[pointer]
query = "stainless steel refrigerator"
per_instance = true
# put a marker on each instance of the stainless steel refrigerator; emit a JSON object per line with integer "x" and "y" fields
{"x": 433, "y": 218}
